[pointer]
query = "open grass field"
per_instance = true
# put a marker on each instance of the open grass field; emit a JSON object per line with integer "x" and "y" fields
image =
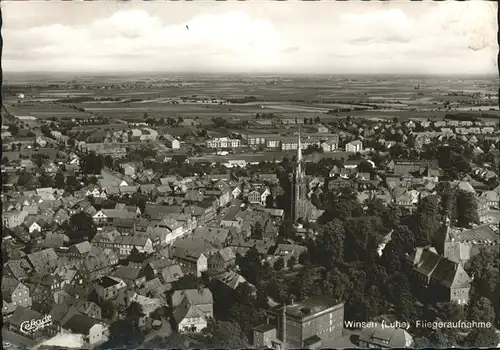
{"x": 269, "y": 156}
{"x": 285, "y": 97}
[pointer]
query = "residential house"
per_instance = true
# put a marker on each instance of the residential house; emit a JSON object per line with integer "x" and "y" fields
{"x": 221, "y": 260}
{"x": 33, "y": 226}
{"x": 287, "y": 251}
{"x": 173, "y": 229}
{"x": 384, "y": 337}
{"x": 128, "y": 169}
{"x": 188, "y": 317}
{"x": 171, "y": 141}
{"x": 330, "y": 146}
{"x": 171, "y": 274}
{"x": 132, "y": 276}
{"x": 14, "y": 219}
{"x": 191, "y": 253}
{"x": 42, "y": 287}
{"x": 264, "y": 336}
{"x": 216, "y": 236}
{"x": 201, "y": 298}
{"x": 14, "y": 294}
{"x": 338, "y": 183}
{"x": 79, "y": 306}
{"x": 94, "y": 331}
{"x": 19, "y": 269}
{"x": 259, "y": 196}
{"x": 43, "y": 261}
{"x": 232, "y": 280}
{"x": 123, "y": 245}
{"x": 322, "y": 129}
{"x": 69, "y": 275}
{"x": 148, "y": 306}
{"x": 80, "y": 250}
{"x": 114, "y": 217}
{"x": 107, "y": 287}
{"x": 98, "y": 263}
{"x": 155, "y": 288}
{"x": 354, "y": 146}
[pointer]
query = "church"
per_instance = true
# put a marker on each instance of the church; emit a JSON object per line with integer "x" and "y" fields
{"x": 301, "y": 207}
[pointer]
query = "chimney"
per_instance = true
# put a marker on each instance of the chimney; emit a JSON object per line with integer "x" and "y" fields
{"x": 283, "y": 327}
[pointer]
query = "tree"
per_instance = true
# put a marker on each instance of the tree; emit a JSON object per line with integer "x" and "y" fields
{"x": 72, "y": 183}
{"x": 257, "y": 230}
{"x": 428, "y": 217}
{"x": 279, "y": 264}
{"x": 393, "y": 216}
{"x": 365, "y": 167}
{"x": 329, "y": 247}
{"x": 91, "y": 164}
{"x": 24, "y": 179}
{"x": 81, "y": 227}
{"x": 304, "y": 285}
{"x": 450, "y": 311}
{"x": 375, "y": 207}
{"x": 448, "y": 200}
{"x": 139, "y": 200}
{"x": 134, "y": 312}
{"x": 481, "y": 310}
{"x": 286, "y": 230}
{"x": 108, "y": 161}
{"x": 439, "y": 339}
{"x": 45, "y": 129}
{"x": 107, "y": 308}
{"x": 342, "y": 205}
{"x": 484, "y": 267}
{"x": 226, "y": 335}
{"x": 336, "y": 284}
{"x": 481, "y": 337}
{"x": 124, "y": 333}
{"x": 45, "y": 180}
{"x": 188, "y": 281}
{"x": 250, "y": 266}
{"x": 467, "y": 207}
{"x": 304, "y": 258}
{"x": 59, "y": 180}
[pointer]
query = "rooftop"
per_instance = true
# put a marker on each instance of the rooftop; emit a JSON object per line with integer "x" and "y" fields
{"x": 264, "y": 328}
{"x": 478, "y": 234}
{"x": 309, "y": 307}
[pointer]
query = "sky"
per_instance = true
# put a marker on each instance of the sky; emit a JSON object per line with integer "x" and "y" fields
{"x": 251, "y": 37}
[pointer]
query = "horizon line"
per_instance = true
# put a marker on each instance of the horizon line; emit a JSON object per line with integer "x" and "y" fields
{"x": 204, "y": 73}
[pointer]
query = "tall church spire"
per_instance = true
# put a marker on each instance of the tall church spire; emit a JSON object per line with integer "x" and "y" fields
{"x": 299, "y": 185}
{"x": 299, "y": 149}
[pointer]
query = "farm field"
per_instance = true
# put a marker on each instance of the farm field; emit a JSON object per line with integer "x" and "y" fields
{"x": 284, "y": 97}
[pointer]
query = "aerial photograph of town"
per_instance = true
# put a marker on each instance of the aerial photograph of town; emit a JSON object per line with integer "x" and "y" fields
{"x": 250, "y": 175}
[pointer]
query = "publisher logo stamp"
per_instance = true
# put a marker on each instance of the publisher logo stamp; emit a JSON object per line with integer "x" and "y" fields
{"x": 32, "y": 326}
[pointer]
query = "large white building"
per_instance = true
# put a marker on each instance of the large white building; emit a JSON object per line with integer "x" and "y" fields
{"x": 223, "y": 142}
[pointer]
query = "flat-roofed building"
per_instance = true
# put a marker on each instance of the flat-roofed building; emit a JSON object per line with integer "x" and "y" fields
{"x": 307, "y": 323}
{"x": 223, "y": 142}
